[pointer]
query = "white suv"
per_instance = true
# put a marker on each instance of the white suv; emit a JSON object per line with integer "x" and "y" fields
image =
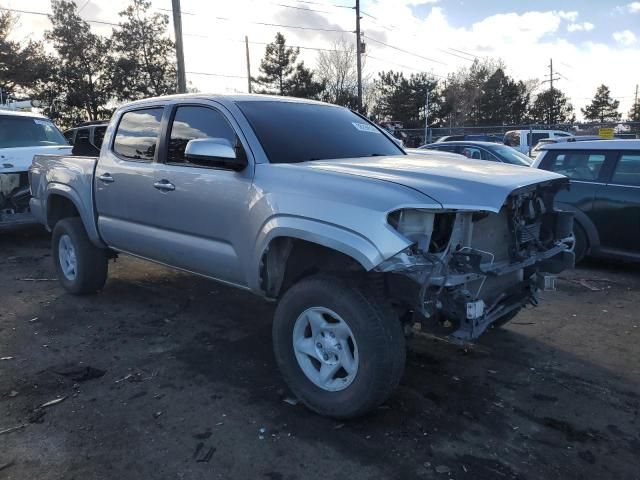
{"x": 524, "y": 140}
{"x": 23, "y": 135}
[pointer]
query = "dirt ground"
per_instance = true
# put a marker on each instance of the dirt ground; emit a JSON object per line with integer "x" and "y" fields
{"x": 166, "y": 375}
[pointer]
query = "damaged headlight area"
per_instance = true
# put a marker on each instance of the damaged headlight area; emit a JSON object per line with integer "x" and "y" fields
{"x": 14, "y": 199}
{"x": 468, "y": 269}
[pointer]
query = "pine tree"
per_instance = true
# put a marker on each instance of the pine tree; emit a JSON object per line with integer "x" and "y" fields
{"x": 80, "y": 87}
{"x": 502, "y": 101}
{"x": 282, "y": 75}
{"x": 22, "y": 68}
{"x": 551, "y": 107}
{"x": 603, "y": 108}
{"x": 142, "y": 63}
{"x": 403, "y": 99}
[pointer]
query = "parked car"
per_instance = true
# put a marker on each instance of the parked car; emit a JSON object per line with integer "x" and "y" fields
{"x": 470, "y": 137}
{"x": 348, "y": 233}
{"x": 22, "y": 135}
{"x": 433, "y": 153}
{"x": 523, "y": 140}
{"x": 604, "y": 194}
{"x": 574, "y": 138}
{"x": 493, "y": 152}
{"x": 87, "y": 137}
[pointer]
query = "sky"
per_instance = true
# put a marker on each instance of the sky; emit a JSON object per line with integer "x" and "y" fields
{"x": 590, "y": 42}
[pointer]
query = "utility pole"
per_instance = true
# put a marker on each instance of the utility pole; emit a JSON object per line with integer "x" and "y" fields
{"x": 246, "y": 45}
{"x": 426, "y": 119}
{"x": 552, "y": 105}
{"x": 358, "y": 55}
{"x": 177, "y": 26}
{"x": 552, "y": 117}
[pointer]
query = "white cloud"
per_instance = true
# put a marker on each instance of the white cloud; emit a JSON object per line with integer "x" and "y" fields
{"x": 633, "y": 7}
{"x": 524, "y": 41}
{"x": 580, "y": 27}
{"x": 570, "y": 16}
{"x": 625, "y": 38}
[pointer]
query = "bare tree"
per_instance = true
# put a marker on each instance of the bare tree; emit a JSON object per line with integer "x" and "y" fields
{"x": 337, "y": 69}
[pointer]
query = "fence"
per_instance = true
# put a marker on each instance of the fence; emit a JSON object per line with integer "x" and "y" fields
{"x": 414, "y": 137}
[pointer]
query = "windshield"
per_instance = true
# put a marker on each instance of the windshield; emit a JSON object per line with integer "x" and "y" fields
{"x": 28, "y": 132}
{"x": 292, "y": 132}
{"x": 510, "y": 155}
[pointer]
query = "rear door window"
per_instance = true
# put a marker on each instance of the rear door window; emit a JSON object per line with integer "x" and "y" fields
{"x": 98, "y": 136}
{"x": 577, "y": 165}
{"x": 82, "y": 135}
{"x": 473, "y": 153}
{"x": 627, "y": 171}
{"x": 534, "y": 138}
{"x": 137, "y": 134}
{"x": 69, "y": 134}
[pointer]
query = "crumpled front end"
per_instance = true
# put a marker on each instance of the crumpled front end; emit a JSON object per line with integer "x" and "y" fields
{"x": 14, "y": 200}
{"x": 468, "y": 269}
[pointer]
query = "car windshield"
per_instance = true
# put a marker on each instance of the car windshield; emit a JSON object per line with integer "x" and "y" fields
{"x": 28, "y": 132}
{"x": 292, "y": 132}
{"x": 511, "y": 155}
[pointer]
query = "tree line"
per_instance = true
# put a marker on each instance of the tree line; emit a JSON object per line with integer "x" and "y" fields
{"x": 87, "y": 75}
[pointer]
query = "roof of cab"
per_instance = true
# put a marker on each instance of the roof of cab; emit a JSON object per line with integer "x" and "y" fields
{"x": 619, "y": 144}
{"x": 236, "y": 97}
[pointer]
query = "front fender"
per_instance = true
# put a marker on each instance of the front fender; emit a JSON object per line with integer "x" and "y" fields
{"x": 335, "y": 237}
{"x": 84, "y": 208}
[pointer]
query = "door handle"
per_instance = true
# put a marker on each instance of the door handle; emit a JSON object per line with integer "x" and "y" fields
{"x": 164, "y": 185}
{"x": 106, "y": 178}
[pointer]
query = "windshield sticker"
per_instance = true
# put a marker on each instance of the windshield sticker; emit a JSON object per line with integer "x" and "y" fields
{"x": 365, "y": 127}
{"x": 41, "y": 122}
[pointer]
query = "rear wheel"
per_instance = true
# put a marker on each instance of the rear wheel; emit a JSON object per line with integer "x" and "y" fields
{"x": 80, "y": 265}
{"x": 341, "y": 351}
{"x": 580, "y": 244}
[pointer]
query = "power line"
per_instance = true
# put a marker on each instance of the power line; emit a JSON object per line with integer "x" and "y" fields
{"x": 304, "y": 9}
{"x": 216, "y": 75}
{"x": 302, "y": 47}
{"x": 325, "y": 4}
{"x": 403, "y": 66}
{"x": 29, "y": 12}
{"x": 297, "y": 27}
{"x": 404, "y": 51}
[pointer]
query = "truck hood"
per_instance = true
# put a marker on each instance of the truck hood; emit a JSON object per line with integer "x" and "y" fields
{"x": 15, "y": 160}
{"x": 454, "y": 183}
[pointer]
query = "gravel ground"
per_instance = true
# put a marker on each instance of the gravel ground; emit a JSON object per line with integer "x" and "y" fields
{"x": 167, "y": 375}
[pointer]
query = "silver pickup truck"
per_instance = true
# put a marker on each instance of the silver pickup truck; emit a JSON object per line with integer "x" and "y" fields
{"x": 316, "y": 207}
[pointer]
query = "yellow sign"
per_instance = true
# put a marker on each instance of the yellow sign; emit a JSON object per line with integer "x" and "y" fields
{"x": 606, "y": 132}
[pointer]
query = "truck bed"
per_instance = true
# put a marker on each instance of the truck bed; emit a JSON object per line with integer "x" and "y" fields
{"x": 67, "y": 175}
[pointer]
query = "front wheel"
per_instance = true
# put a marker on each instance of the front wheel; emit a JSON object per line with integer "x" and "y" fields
{"x": 340, "y": 349}
{"x": 80, "y": 265}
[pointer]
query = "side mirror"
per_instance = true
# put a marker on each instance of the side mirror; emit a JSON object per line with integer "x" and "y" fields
{"x": 214, "y": 152}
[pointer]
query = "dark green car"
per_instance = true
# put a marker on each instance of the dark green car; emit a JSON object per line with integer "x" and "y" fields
{"x": 604, "y": 194}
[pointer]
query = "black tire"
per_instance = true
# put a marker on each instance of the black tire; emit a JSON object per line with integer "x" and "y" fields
{"x": 91, "y": 261}
{"x": 377, "y": 332}
{"x": 581, "y": 243}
